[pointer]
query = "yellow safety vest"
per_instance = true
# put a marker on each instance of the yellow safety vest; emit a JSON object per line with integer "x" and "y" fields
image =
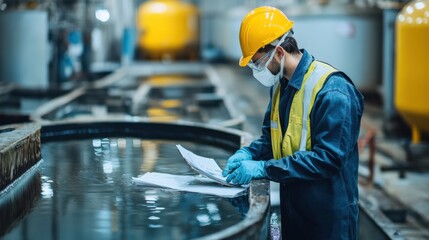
{"x": 298, "y": 136}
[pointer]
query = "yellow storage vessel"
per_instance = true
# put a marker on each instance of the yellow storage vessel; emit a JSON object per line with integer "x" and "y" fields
{"x": 412, "y": 67}
{"x": 168, "y": 30}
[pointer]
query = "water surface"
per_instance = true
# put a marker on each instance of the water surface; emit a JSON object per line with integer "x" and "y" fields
{"x": 83, "y": 190}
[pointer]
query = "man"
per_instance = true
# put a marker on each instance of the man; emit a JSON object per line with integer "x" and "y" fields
{"x": 309, "y": 135}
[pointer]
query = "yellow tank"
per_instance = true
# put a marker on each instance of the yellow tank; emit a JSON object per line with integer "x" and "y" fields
{"x": 412, "y": 67}
{"x": 168, "y": 30}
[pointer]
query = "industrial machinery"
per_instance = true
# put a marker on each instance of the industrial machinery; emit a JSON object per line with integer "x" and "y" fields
{"x": 167, "y": 30}
{"x": 412, "y": 72}
{"x": 345, "y": 37}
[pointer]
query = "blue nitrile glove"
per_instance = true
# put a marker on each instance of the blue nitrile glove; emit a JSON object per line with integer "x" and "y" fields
{"x": 234, "y": 160}
{"x": 247, "y": 171}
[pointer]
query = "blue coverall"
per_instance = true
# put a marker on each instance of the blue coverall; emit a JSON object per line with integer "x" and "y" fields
{"x": 318, "y": 188}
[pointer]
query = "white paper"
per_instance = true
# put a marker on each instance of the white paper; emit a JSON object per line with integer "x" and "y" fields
{"x": 188, "y": 183}
{"x": 205, "y": 166}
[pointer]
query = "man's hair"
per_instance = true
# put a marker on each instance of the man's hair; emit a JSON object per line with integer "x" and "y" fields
{"x": 289, "y": 45}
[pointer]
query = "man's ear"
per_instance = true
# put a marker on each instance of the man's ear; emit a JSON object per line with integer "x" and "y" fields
{"x": 280, "y": 52}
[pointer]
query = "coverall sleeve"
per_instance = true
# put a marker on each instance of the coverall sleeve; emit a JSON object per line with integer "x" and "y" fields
{"x": 334, "y": 133}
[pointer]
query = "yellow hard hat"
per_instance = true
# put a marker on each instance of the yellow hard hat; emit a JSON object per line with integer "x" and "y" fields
{"x": 260, "y": 27}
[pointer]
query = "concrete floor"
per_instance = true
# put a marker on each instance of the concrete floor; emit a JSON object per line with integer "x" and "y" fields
{"x": 251, "y": 98}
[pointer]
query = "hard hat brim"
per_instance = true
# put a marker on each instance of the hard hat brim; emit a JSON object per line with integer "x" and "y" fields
{"x": 244, "y": 61}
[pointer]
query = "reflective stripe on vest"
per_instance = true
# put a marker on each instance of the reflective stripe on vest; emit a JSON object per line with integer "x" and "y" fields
{"x": 298, "y": 136}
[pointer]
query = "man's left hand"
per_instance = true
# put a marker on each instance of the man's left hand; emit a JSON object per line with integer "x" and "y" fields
{"x": 248, "y": 170}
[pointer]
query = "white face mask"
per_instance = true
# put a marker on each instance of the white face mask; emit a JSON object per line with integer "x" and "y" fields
{"x": 266, "y": 78}
{"x": 262, "y": 73}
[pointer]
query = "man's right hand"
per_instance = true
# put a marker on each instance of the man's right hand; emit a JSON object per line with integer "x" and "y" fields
{"x": 235, "y": 160}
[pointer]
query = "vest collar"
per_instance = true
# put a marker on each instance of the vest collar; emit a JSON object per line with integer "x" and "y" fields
{"x": 301, "y": 69}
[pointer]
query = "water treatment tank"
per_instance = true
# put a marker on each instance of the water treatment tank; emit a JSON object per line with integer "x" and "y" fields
{"x": 168, "y": 29}
{"x": 412, "y": 66}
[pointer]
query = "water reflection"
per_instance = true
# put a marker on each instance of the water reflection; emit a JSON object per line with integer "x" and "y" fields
{"x": 86, "y": 193}
{"x": 150, "y": 155}
{"x": 47, "y": 191}
{"x": 240, "y": 203}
